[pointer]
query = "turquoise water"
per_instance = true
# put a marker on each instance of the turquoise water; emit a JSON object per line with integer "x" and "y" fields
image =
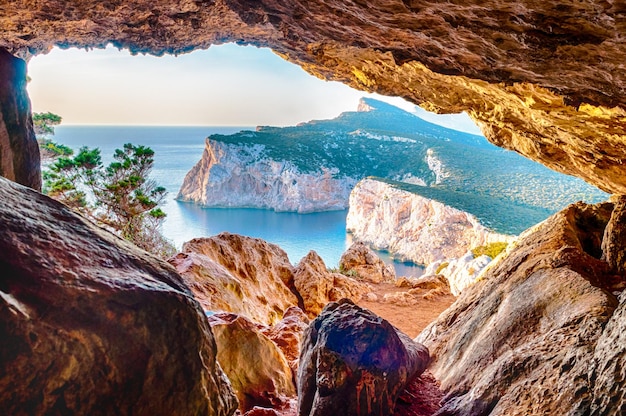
{"x": 177, "y": 149}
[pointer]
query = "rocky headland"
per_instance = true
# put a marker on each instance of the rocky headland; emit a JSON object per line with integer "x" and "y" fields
{"x": 237, "y": 175}
{"x": 314, "y": 166}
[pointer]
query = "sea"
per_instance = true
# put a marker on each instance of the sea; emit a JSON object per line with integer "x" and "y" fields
{"x": 177, "y": 149}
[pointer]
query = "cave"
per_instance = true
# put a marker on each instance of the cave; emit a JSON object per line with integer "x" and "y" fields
{"x": 545, "y": 79}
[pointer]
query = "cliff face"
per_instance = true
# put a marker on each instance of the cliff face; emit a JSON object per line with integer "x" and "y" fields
{"x": 413, "y": 227}
{"x": 231, "y": 175}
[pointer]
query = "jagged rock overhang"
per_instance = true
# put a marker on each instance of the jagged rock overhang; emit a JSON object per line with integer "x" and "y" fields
{"x": 543, "y": 78}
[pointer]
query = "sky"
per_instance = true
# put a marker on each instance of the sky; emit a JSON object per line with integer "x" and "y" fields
{"x": 226, "y": 85}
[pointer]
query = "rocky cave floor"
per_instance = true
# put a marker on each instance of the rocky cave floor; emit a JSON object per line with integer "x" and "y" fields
{"x": 423, "y": 396}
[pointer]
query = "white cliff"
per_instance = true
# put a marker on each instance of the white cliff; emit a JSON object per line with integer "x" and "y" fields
{"x": 233, "y": 175}
{"x": 411, "y": 226}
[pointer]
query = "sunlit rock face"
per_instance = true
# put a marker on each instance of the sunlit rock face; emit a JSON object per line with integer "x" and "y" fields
{"x": 89, "y": 324}
{"x": 541, "y": 331}
{"x": 231, "y": 175}
{"x": 543, "y": 78}
{"x": 411, "y": 226}
{"x": 239, "y": 274}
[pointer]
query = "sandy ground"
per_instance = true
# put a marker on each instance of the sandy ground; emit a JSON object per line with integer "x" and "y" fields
{"x": 422, "y": 397}
{"x": 411, "y": 319}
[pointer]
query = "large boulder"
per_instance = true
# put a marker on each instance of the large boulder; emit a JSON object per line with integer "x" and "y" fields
{"x": 362, "y": 259}
{"x": 243, "y": 275}
{"x": 92, "y": 325}
{"x": 539, "y": 333}
{"x": 355, "y": 363}
{"x": 256, "y": 367}
{"x": 317, "y": 286}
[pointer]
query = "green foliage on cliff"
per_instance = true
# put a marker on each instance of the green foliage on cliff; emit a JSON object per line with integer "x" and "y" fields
{"x": 491, "y": 250}
{"x": 119, "y": 197}
{"x": 498, "y": 214}
{"x": 43, "y": 124}
{"x": 390, "y": 143}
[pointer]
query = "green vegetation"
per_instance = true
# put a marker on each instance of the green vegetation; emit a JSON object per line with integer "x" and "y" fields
{"x": 43, "y": 124}
{"x": 506, "y": 191}
{"x": 346, "y": 272}
{"x": 491, "y": 250}
{"x": 441, "y": 267}
{"x": 119, "y": 197}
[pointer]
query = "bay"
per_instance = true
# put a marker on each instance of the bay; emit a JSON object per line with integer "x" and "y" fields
{"x": 177, "y": 149}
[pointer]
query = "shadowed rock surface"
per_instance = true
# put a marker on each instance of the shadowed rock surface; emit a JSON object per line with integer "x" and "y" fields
{"x": 92, "y": 325}
{"x": 287, "y": 335}
{"x": 355, "y": 363}
{"x": 539, "y": 333}
{"x": 543, "y": 78}
{"x": 256, "y": 367}
{"x": 19, "y": 153}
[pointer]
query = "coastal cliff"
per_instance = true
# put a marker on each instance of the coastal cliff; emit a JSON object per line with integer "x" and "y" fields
{"x": 411, "y": 226}
{"x": 313, "y": 166}
{"x": 233, "y": 175}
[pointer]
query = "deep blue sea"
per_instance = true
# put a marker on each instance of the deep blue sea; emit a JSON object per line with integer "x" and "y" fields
{"x": 177, "y": 149}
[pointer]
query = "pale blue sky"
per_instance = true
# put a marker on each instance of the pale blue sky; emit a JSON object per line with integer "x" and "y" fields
{"x": 226, "y": 85}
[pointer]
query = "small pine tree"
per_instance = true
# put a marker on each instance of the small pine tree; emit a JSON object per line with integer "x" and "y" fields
{"x": 119, "y": 197}
{"x": 44, "y": 126}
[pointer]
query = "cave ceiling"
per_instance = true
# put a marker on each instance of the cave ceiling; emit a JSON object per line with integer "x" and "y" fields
{"x": 544, "y": 78}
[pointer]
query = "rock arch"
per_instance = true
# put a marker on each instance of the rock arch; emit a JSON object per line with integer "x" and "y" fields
{"x": 545, "y": 79}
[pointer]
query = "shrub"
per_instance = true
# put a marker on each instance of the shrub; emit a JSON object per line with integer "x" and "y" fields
{"x": 441, "y": 267}
{"x": 491, "y": 250}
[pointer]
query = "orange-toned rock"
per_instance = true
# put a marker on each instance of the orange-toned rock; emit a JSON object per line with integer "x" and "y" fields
{"x": 91, "y": 325}
{"x": 543, "y": 78}
{"x": 255, "y": 366}
{"x": 287, "y": 334}
{"x": 238, "y": 274}
{"x": 317, "y": 286}
{"x": 360, "y": 258}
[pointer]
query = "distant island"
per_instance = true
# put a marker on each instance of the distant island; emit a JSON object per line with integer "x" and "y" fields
{"x": 315, "y": 165}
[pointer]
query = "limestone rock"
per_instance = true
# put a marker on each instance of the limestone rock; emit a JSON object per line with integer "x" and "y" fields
{"x": 411, "y": 226}
{"x": 261, "y": 411}
{"x": 19, "y": 153}
{"x": 234, "y": 175}
{"x": 464, "y": 271}
{"x": 239, "y": 274}
{"x": 430, "y": 282}
{"x": 255, "y": 366}
{"x": 317, "y": 286}
{"x": 287, "y": 335}
{"x": 355, "y": 363}
{"x": 526, "y": 337}
{"x": 92, "y": 325}
{"x": 360, "y": 258}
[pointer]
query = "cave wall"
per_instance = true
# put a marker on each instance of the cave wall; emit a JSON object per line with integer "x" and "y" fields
{"x": 19, "y": 153}
{"x": 543, "y": 78}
